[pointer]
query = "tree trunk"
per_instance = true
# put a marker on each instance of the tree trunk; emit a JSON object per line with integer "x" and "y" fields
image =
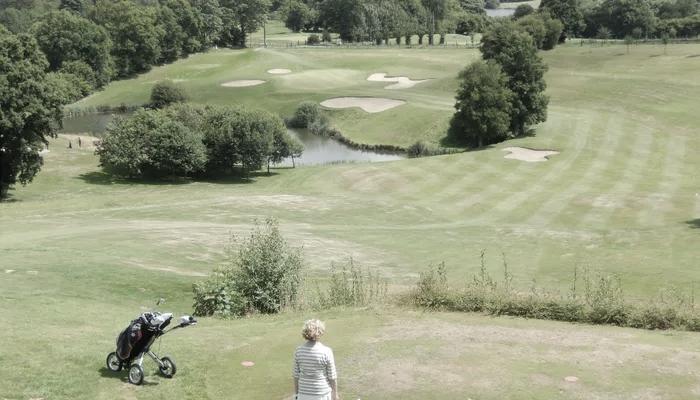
{"x": 268, "y": 166}
{"x": 293, "y": 165}
{"x": 243, "y": 38}
{"x": 442, "y": 38}
{"x": 420, "y": 38}
{"x": 398, "y": 40}
{"x": 431, "y": 39}
{"x": 408, "y": 40}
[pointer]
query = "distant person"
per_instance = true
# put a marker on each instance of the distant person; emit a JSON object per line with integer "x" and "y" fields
{"x": 70, "y": 144}
{"x": 314, "y": 367}
{"x": 80, "y": 142}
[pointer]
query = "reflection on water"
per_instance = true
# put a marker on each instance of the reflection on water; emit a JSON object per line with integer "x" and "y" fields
{"x": 317, "y": 149}
{"x": 322, "y": 150}
{"x": 500, "y": 12}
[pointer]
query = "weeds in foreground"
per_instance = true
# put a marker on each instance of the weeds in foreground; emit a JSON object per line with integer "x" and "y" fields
{"x": 351, "y": 286}
{"x": 593, "y": 298}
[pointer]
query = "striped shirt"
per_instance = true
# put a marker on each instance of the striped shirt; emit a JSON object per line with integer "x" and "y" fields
{"x": 314, "y": 366}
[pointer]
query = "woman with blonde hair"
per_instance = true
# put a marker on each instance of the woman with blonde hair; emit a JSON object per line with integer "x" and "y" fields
{"x": 314, "y": 367}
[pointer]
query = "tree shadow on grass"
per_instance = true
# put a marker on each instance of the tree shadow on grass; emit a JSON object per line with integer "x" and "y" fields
{"x": 103, "y": 178}
{"x": 693, "y": 223}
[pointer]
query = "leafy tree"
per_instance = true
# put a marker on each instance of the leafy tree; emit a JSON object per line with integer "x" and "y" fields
{"x": 64, "y": 37}
{"x": 284, "y": 145}
{"x": 172, "y": 150}
{"x": 473, "y": 6}
{"x": 492, "y": 4}
{"x": 523, "y": 10}
{"x": 30, "y": 109}
{"x": 553, "y": 31}
{"x": 209, "y": 14}
{"x": 76, "y": 6}
{"x": 621, "y": 17}
{"x": 134, "y": 31}
{"x": 237, "y": 137}
{"x": 248, "y": 14}
{"x": 306, "y": 113}
{"x": 172, "y": 41}
{"x": 535, "y": 27}
{"x": 297, "y": 15}
{"x": 569, "y": 12}
{"x": 516, "y": 53}
{"x": 483, "y": 105}
{"x": 68, "y": 87}
{"x": 191, "y": 24}
{"x": 345, "y": 17}
{"x": 151, "y": 144}
{"x": 165, "y": 93}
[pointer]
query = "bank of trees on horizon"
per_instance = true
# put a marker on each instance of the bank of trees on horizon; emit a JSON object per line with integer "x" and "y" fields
{"x": 381, "y": 20}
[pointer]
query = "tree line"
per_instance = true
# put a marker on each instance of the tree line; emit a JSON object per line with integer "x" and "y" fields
{"x": 381, "y": 20}
{"x": 100, "y": 40}
{"x": 636, "y": 19}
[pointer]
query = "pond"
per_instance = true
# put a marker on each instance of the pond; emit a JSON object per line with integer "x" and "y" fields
{"x": 317, "y": 150}
{"x": 500, "y": 12}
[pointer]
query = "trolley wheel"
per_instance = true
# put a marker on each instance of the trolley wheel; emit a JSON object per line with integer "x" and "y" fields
{"x": 168, "y": 369}
{"x": 136, "y": 374}
{"x": 114, "y": 364}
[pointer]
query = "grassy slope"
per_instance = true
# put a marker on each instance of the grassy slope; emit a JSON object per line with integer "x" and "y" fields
{"x": 88, "y": 252}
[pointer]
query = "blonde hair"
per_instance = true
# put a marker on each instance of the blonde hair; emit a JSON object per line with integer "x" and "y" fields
{"x": 313, "y": 329}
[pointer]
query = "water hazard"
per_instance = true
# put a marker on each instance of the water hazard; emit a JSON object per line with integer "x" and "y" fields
{"x": 317, "y": 150}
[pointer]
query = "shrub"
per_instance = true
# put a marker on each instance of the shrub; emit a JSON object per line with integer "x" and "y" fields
{"x": 425, "y": 149}
{"x": 351, "y": 286}
{"x": 264, "y": 275}
{"x": 165, "y": 93}
{"x": 306, "y": 113}
{"x": 326, "y": 36}
{"x": 217, "y": 296}
{"x": 267, "y": 272}
{"x": 313, "y": 40}
{"x": 523, "y": 10}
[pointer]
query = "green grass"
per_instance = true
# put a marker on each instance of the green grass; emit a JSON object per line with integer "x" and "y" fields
{"x": 622, "y": 197}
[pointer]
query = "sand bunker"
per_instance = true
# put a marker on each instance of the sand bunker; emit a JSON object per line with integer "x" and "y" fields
{"x": 9, "y": 271}
{"x": 369, "y": 104}
{"x": 243, "y": 83}
{"x": 279, "y": 71}
{"x": 529, "y": 155}
{"x": 400, "y": 82}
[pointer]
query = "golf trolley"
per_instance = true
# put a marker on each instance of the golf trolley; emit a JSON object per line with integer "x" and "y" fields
{"x": 134, "y": 342}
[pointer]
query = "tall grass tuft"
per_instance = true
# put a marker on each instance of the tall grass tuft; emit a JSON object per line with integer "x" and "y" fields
{"x": 350, "y": 285}
{"x": 593, "y": 298}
